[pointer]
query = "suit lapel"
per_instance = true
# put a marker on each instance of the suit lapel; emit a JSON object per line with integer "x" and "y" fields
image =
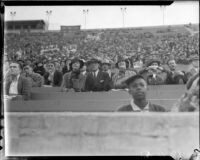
{"x": 19, "y": 85}
{"x": 7, "y": 86}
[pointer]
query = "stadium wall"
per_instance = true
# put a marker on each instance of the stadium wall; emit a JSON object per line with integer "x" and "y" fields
{"x": 38, "y": 134}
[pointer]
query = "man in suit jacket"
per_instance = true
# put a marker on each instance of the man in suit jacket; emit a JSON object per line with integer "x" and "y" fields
{"x": 53, "y": 77}
{"x": 175, "y": 76}
{"x": 17, "y": 85}
{"x": 137, "y": 89}
{"x": 97, "y": 80}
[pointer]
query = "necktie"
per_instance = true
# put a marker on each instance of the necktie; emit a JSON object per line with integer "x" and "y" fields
{"x": 94, "y": 74}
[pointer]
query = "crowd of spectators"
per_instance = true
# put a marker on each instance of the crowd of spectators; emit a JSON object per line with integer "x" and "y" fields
{"x": 127, "y": 52}
{"x": 108, "y": 43}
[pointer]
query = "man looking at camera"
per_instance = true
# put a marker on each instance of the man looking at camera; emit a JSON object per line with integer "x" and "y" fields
{"x": 17, "y": 86}
{"x": 138, "y": 89}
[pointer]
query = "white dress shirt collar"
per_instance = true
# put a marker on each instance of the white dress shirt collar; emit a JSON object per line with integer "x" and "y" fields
{"x": 136, "y": 108}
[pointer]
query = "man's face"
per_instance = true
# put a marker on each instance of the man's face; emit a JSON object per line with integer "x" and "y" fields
{"x": 51, "y": 67}
{"x": 172, "y": 64}
{"x": 105, "y": 67}
{"x": 138, "y": 89}
{"x": 195, "y": 63}
{"x": 14, "y": 69}
{"x": 27, "y": 70}
{"x": 76, "y": 66}
{"x": 154, "y": 64}
{"x": 94, "y": 66}
{"x": 122, "y": 65}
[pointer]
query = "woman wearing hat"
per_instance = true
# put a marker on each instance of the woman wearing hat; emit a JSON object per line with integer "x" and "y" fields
{"x": 74, "y": 80}
{"x": 122, "y": 74}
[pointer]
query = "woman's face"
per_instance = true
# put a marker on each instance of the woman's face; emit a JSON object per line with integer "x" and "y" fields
{"x": 76, "y": 66}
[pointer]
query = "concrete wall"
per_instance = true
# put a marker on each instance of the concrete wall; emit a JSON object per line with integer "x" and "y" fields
{"x": 37, "y": 134}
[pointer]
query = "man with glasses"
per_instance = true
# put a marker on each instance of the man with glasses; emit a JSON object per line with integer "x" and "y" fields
{"x": 17, "y": 86}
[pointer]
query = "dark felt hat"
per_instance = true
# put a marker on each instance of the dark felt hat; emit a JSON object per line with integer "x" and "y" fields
{"x": 93, "y": 60}
{"x": 105, "y": 61}
{"x": 153, "y": 61}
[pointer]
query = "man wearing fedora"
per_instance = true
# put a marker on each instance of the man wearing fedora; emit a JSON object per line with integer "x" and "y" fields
{"x": 75, "y": 79}
{"x": 154, "y": 73}
{"x": 97, "y": 80}
{"x": 106, "y": 67}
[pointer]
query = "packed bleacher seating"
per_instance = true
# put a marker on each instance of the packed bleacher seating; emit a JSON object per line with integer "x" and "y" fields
{"x": 71, "y": 61}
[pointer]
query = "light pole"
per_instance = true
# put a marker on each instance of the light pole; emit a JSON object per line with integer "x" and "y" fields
{"x": 48, "y": 13}
{"x": 123, "y": 10}
{"x": 12, "y": 15}
{"x": 85, "y": 12}
{"x": 163, "y": 14}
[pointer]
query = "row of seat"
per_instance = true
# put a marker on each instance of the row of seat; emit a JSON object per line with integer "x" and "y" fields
{"x": 76, "y": 105}
{"x": 157, "y": 88}
{"x": 112, "y": 95}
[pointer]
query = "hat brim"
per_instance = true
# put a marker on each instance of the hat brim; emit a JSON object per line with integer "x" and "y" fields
{"x": 93, "y": 61}
{"x": 77, "y": 60}
{"x": 154, "y": 61}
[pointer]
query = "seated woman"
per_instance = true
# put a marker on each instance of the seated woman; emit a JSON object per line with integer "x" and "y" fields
{"x": 189, "y": 102}
{"x": 122, "y": 74}
{"x": 75, "y": 79}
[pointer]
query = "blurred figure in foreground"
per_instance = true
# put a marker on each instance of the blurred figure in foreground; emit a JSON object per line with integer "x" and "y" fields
{"x": 189, "y": 102}
{"x": 194, "y": 67}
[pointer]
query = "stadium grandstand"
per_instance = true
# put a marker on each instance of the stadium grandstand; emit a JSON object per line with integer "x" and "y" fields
{"x": 90, "y": 70}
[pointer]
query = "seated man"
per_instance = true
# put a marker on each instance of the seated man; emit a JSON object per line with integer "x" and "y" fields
{"x": 35, "y": 78}
{"x": 17, "y": 85}
{"x": 52, "y": 77}
{"x": 137, "y": 89}
{"x": 97, "y": 80}
{"x": 175, "y": 76}
{"x": 154, "y": 73}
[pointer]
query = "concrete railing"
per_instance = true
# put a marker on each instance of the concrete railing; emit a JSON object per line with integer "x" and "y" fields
{"x": 38, "y": 134}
